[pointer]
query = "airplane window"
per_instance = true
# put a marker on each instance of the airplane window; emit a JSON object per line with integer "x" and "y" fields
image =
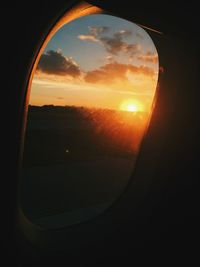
{"x": 90, "y": 102}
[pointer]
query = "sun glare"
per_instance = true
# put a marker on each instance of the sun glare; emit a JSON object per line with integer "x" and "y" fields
{"x": 131, "y": 106}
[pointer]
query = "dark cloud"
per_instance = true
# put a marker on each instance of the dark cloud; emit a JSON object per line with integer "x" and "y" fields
{"x": 113, "y": 44}
{"x": 123, "y": 34}
{"x": 112, "y": 72}
{"x": 94, "y": 31}
{"x": 53, "y": 62}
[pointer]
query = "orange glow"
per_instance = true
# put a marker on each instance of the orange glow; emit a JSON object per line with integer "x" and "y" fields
{"x": 131, "y": 106}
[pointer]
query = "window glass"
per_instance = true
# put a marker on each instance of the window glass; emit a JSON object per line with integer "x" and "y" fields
{"x": 89, "y": 105}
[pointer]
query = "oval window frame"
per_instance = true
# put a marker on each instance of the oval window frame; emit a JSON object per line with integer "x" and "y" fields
{"x": 101, "y": 225}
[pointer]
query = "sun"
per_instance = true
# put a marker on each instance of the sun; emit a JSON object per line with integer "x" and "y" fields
{"x": 131, "y": 106}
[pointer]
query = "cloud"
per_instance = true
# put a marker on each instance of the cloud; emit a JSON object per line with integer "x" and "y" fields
{"x": 93, "y": 34}
{"x": 53, "y": 62}
{"x": 97, "y": 30}
{"x": 110, "y": 59}
{"x": 113, "y": 44}
{"x": 88, "y": 38}
{"x": 149, "y": 57}
{"x": 115, "y": 71}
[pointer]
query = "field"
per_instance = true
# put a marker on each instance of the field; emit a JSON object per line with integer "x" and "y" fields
{"x": 77, "y": 161}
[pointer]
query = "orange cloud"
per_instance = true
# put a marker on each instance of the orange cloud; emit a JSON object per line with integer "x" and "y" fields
{"x": 88, "y": 38}
{"x": 149, "y": 57}
{"x": 115, "y": 71}
{"x": 93, "y": 34}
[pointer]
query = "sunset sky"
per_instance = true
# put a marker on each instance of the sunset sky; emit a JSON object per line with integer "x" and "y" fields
{"x": 97, "y": 61}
